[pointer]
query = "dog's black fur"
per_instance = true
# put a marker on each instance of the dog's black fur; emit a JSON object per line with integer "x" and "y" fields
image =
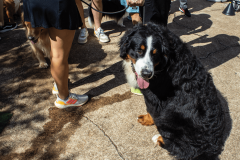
{"x": 181, "y": 97}
{"x": 109, "y": 6}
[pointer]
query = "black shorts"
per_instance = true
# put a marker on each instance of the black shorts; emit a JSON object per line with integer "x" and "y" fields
{"x": 60, "y": 14}
{"x": 156, "y": 11}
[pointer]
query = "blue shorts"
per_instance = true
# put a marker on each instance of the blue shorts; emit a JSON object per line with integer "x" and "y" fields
{"x": 60, "y": 14}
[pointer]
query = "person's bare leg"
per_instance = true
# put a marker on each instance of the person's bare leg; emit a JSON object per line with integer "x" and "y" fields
{"x": 1, "y": 14}
{"x": 97, "y": 4}
{"x": 81, "y": 12}
{"x": 61, "y": 43}
{"x": 135, "y": 18}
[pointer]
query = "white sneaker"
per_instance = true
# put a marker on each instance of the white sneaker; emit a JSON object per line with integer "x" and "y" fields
{"x": 102, "y": 37}
{"x": 82, "y": 38}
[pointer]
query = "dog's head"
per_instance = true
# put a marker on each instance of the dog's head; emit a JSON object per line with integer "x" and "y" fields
{"x": 148, "y": 49}
{"x": 32, "y": 34}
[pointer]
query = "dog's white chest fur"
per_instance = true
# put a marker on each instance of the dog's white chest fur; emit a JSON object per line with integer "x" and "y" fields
{"x": 130, "y": 75}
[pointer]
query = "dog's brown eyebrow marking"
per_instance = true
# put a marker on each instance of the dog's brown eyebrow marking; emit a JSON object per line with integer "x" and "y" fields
{"x": 142, "y": 47}
{"x": 154, "y": 51}
{"x": 129, "y": 57}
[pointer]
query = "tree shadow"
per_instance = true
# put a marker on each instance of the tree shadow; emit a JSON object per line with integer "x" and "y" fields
{"x": 187, "y": 26}
{"x": 115, "y": 69}
{"x": 87, "y": 54}
{"x": 212, "y": 51}
{"x": 193, "y": 6}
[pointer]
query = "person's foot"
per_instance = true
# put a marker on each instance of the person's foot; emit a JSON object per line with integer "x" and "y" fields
{"x": 185, "y": 11}
{"x": 82, "y": 38}
{"x": 102, "y": 37}
{"x": 8, "y": 27}
{"x": 136, "y": 91}
{"x": 73, "y": 100}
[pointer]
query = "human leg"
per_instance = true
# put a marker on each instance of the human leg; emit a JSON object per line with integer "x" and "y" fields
{"x": 184, "y": 8}
{"x": 156, "y": 11}
{"x": 97, "y": 16}
{"x": 183, "y": 4}
{"x": 97, "y": 4}
{"x": 61, "y": 42}
{"x": 82, "y": 38}
{"x": 1, "y": 14}
{"x": 81, "y": 12}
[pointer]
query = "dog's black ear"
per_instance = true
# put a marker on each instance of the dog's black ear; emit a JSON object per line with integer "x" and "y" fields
{"x": 125, "y": 42}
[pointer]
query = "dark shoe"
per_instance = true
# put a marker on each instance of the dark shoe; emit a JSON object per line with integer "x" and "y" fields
{"x": 185, "y": 11}
{"x": 8, "y": 27}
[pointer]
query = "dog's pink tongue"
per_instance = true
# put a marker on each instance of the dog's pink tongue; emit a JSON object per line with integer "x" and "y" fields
{"x": 142, "y": 83}
{"x": 32, "y": 42}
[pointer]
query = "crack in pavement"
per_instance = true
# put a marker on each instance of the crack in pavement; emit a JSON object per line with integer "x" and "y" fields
{"x": 120, "y": 154}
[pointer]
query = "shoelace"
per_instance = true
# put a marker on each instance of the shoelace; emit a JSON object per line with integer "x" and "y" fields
{"x": 83, "y": 33}
{"x": 71, "y": 95}
{"x": 100, "y": 32}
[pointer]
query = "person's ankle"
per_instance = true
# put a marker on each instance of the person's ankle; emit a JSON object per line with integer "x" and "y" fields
{"x": 63, "y": 97}
{"x": 96, "y": 27}
{"x": 83, "y": 26}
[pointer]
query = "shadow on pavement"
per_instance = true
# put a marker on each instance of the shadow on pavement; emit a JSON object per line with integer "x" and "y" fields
{"x": 212, "y": 51}
{"x": 115, "y": 69}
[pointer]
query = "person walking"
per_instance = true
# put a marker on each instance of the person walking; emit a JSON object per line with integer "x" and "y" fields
{"x": 97, "y": 16}
{"x": 62, "y": 19}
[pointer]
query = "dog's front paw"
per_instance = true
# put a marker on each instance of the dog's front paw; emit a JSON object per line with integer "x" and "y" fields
{"x": 43, "y": 65}
{"x": 146, "y": 120}
{"x": 158, "y": 140}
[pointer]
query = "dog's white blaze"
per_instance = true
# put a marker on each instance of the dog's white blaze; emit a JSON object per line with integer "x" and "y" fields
{"x": 145, "y": 62}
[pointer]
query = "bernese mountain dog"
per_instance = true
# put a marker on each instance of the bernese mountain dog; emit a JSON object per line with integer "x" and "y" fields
{"x": 179, "y": 93}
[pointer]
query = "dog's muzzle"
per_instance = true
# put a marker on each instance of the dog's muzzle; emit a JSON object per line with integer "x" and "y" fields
{"x": 142, "y": 82}
{"x": 146, "y": 74}
{"x": 32, "y": 39}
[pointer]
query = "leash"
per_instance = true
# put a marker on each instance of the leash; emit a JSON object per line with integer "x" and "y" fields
{"x": 105, "y": 12}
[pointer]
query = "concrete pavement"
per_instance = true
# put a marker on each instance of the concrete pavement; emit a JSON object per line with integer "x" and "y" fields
{"x": 106, "y": 128}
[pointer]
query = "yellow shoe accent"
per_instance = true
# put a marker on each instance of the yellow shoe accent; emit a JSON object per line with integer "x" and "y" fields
{"x": 60, "y": 102}
{"x": 54, "y": 90}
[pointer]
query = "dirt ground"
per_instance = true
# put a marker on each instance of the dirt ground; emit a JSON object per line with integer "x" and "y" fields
{"x": 106, "y": 127}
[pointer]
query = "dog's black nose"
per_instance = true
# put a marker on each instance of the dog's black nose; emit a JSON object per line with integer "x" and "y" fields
{"x": 31, "y": 38}
{"x": 146, "y": 73}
